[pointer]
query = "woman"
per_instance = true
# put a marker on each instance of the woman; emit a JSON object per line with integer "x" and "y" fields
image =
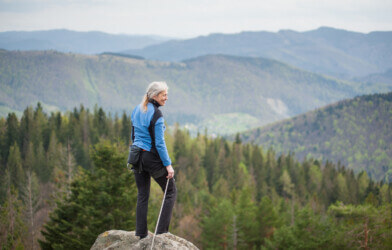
{"x": 148, "y": 133}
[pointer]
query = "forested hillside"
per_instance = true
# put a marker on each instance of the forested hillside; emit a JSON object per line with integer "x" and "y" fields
{"x": 355, "y": 132}
{"x": 230, "y": 194}
{"x": 205, "y": 90}
{"x": 339, "y": 53}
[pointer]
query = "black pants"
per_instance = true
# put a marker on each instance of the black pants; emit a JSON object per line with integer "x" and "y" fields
{"x": 143, "y": 183}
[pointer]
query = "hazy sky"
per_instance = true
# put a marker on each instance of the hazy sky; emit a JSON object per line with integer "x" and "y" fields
{"x": 189, "y": 18}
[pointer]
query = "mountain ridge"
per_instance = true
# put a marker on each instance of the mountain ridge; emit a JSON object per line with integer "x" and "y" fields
{"x": 89, "y": 42}
{"x": 330, "y": 51}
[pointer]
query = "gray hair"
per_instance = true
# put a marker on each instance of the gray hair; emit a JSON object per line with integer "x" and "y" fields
{"x": 153, "y": 90}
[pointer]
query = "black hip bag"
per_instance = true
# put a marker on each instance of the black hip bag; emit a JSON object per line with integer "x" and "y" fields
{"x": 134, "y": 155}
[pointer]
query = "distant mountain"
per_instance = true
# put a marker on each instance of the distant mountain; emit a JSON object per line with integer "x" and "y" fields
{"x": 339, "y": 53}
{"x": 356, "y": 132}
{"x": 92, "y": 42}
{"x": 385, "y": 78}
{"x": 204, "y": 91}
{"x": 380, "y": 81}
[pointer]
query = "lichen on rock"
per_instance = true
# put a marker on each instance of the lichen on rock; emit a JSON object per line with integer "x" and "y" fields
{"x": 125, "y": 240}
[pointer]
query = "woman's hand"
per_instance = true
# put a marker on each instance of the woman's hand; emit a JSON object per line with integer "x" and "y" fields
{"x": 170, "y": 172}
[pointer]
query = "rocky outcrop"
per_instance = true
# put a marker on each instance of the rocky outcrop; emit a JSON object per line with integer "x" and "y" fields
{"x": 124, "y": 240}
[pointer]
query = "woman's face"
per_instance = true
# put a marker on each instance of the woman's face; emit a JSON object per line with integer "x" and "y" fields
{"x": 161, "y": 98}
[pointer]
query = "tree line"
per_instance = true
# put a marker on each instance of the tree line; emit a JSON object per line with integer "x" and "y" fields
{"x": 64, "y": 181}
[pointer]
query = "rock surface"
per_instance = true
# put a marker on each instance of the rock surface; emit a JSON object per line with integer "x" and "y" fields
{"x": 121, "y": 240}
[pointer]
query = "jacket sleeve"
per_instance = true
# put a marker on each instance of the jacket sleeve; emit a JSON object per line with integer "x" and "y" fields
{"x": 160, "y": 143}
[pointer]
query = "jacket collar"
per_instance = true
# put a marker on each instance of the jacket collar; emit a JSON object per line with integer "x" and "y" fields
{"x": 155, "y": 103}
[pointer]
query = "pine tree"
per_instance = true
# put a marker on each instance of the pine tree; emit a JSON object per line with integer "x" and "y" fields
{"x": 267, "y": 218}
{"x": 363, "y": 184}
{"x": 14, "y": 166}
{"x": 210, "y": 162}
{"x": 76, "y": 137}
{"x": 247, "y": 223}
{"x": 288, "y": 191}
{"x": 180, "y": 139}
{"x": 217, "y": 226}
{"x": 195, "y": 171}
{"x": 39, "y": 125}
{"x": 52, "y": 155}
{"x": 126, "y": 129}
{"x": 385, "y": 194}
{"x": 100, "y": 200}
{"x": 3, "y": 145}
{"x": 343, "y": 194}
{"x": 11, "y": 135}
{"x": 63, "y": 171}
{"x": 12, "y": 228}
{"x": 314, "y": 179}
{"x": 100, "y": 121}
{"x": 272, "y": 176}
{"x": 221, "y": 188}
{"x": 257, "y": 164}
{"x": 26, "y": 130}
{"x": 32, "y": 202}
{"x": 329, "y": 192}
{"x": 44, "y": 172}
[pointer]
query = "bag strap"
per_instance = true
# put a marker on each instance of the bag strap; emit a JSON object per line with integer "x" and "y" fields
{"x": 133, "y": 133}
{"x": 151, "y": 128}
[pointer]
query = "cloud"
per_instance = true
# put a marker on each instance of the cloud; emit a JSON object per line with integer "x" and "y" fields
{"x": 185, "y": 18}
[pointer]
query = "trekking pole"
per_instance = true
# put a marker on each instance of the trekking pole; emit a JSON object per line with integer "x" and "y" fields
{"x": 160, "y": 212}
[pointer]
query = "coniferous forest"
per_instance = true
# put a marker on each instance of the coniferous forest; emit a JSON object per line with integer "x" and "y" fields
{"x": 64, "y": 181}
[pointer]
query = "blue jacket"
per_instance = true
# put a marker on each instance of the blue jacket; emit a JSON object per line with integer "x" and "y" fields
{"x": 141, "y": 121}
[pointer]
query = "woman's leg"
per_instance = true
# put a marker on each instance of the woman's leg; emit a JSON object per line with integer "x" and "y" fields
{"x": 143, "y": 182}
{"x": 164, "y": 222}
